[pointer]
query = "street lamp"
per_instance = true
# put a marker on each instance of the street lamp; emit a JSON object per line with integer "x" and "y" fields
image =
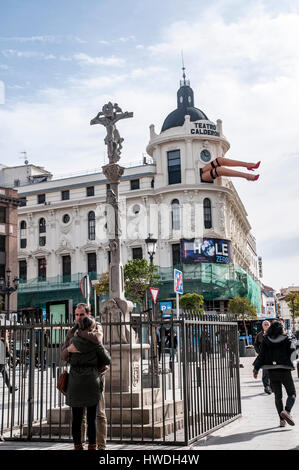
{"x": 7, "y": 289}
{"x": 151, "y": 247}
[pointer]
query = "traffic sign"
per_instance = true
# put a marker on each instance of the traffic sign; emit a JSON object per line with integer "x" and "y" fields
{"x": 178, "y": 281}
{"x": 154, "y": 293}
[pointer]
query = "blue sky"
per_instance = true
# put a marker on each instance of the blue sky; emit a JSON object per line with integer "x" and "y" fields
{"x": 60, "y": 61}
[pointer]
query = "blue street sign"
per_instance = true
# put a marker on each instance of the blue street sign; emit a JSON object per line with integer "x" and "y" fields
{"x": 178, "y": 281}
{"x": 165, "y": 306}
{"x": 44, "y": 312}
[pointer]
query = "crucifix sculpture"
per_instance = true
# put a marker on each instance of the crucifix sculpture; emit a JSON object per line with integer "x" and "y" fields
{"x": 116, "y": 305}
{"x": 110, "y": 114}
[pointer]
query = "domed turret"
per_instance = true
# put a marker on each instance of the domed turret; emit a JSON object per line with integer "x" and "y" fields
{"x": 185, "y": 105}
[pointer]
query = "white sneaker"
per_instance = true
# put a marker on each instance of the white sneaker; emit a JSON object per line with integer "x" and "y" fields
{"x": 286, "y": 415}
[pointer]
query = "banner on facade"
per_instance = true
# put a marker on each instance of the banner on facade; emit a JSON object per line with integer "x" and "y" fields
{"x": 206, "y": 250}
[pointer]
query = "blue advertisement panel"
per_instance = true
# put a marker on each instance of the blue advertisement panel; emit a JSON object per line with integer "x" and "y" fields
{"x": 206, "y": 250}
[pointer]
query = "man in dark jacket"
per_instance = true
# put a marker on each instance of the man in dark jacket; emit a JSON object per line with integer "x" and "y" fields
{"x": 276, "y": 354}
{"x": 95, "y": 336}
{"x": 257, "y": 346}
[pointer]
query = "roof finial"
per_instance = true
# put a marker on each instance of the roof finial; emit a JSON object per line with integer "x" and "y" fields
{"x": 183, "y": 68}
{"x": 184, "y": 82}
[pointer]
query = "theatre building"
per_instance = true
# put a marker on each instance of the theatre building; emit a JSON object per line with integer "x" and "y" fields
{"x": 202, "y": 228}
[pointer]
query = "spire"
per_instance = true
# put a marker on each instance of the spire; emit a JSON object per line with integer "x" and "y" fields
{"x": 184, "y": 82}
{"x": 185, "y": 97}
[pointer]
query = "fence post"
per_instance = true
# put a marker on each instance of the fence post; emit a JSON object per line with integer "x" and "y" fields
{"x": 31, "y": 380}
{"x": 185, "y": 388}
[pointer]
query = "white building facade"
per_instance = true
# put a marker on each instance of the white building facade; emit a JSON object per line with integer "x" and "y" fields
{"x": 63, "y": 233}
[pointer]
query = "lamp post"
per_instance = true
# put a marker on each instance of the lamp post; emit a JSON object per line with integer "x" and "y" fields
{"x": 151, "y": 249}
{"x": 151, "y": 244}
{"x": 7, "y": 288}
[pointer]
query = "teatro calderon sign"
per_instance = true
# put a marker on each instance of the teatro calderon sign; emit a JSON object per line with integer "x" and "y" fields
{"x": 204, "y": 129}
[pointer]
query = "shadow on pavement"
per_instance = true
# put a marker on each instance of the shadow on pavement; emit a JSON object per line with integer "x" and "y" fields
{"x": 240, "y": 437}
{"x": 245, "y": 397}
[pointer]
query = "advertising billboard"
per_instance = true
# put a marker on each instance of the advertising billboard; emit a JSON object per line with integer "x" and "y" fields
{"x": 206, "y": 250}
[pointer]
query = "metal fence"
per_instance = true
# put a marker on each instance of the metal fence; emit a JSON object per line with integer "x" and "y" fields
{"x": 171, "y": 381}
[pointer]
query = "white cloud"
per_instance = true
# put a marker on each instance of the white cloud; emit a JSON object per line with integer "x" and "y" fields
{"x": 27, "y": 54}
{"x": 126, "y": 39}
{"x": 44, "y": 39}
{"x": 244, "y": 72}
{"x": 85, "y": 59}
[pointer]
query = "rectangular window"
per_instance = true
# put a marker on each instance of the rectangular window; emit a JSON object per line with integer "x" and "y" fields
{"x": 23, "y": 270}
{"x": 2, "y": 243}
{"x": 109, "y": 257}
{"x": 42, "y": 241}
{"x": 41, "y": 198}
{"x": 2, "y": 274}
{"x": 176, "y": 254}
{"x": 23, "y": 201}
{"x": 135, "y": 184}
{"x": 174, "y": 167}
{"x": 23, "y": 243}
{"x": 65, "y": 195}
{"x": 66, "y": 268}
{"x": 90, "y": 191}
{"x": 42, "y": 269}
{"x": 137, "y": 253}
{"x": 91, "y": 262}
{"x": 2, "y": 215}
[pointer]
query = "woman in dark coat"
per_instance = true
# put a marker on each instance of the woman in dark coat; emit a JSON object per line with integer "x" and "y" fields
{"x": 85, "y": 387}
{"x": 275, "y": 355}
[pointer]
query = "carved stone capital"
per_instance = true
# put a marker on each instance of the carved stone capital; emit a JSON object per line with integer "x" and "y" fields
{"x": 113, "y": 172}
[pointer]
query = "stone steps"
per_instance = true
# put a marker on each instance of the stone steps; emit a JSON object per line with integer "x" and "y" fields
{"x": 147, "y": 414}
{"x": 116, "y": 431}
{"x": 125, "y": 415}
{"x": 136, "y": 398}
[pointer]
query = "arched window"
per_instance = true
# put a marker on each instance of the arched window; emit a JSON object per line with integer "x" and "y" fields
{"x": 207, "y": 213}
{"x": 91, "y": 225}
{"x": 23, "y": 225}
{"x": 42, "y": 225}
{"x": 175, "y": 214}
{"x": 42, "y": 229}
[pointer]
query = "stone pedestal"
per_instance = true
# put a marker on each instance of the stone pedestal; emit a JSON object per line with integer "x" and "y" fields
{"x": 125, "y": 368}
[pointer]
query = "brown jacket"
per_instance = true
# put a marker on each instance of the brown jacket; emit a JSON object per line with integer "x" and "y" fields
{"x": 95, "y": 336}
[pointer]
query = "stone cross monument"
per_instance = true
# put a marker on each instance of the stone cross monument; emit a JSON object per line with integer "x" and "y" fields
{"x": 116, "y": 310}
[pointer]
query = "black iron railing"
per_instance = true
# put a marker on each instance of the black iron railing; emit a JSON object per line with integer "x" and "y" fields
{"x": 171, "y": 381}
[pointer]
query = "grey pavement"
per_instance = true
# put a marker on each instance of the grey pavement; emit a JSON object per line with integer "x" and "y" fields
{"x": 257, "y": 428}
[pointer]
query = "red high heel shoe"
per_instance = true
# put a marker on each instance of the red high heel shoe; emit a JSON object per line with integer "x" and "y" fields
{"x": 254, "y": 167}
{"x": 256, "y": 177}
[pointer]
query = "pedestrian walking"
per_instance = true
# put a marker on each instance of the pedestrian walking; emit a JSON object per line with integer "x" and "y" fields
{"x": 257, "y": 346}
{"x": 84, "y": 389}
{"x": 95, "y": 336}
{"x": 4, "y": 354}
{"x": 171, "y": 341}
{"x": 275, "y": 355}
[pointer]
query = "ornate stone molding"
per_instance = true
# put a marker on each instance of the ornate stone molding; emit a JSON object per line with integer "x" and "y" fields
{"x": 40, "y": 252}
{"x": 113, "y": 172}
